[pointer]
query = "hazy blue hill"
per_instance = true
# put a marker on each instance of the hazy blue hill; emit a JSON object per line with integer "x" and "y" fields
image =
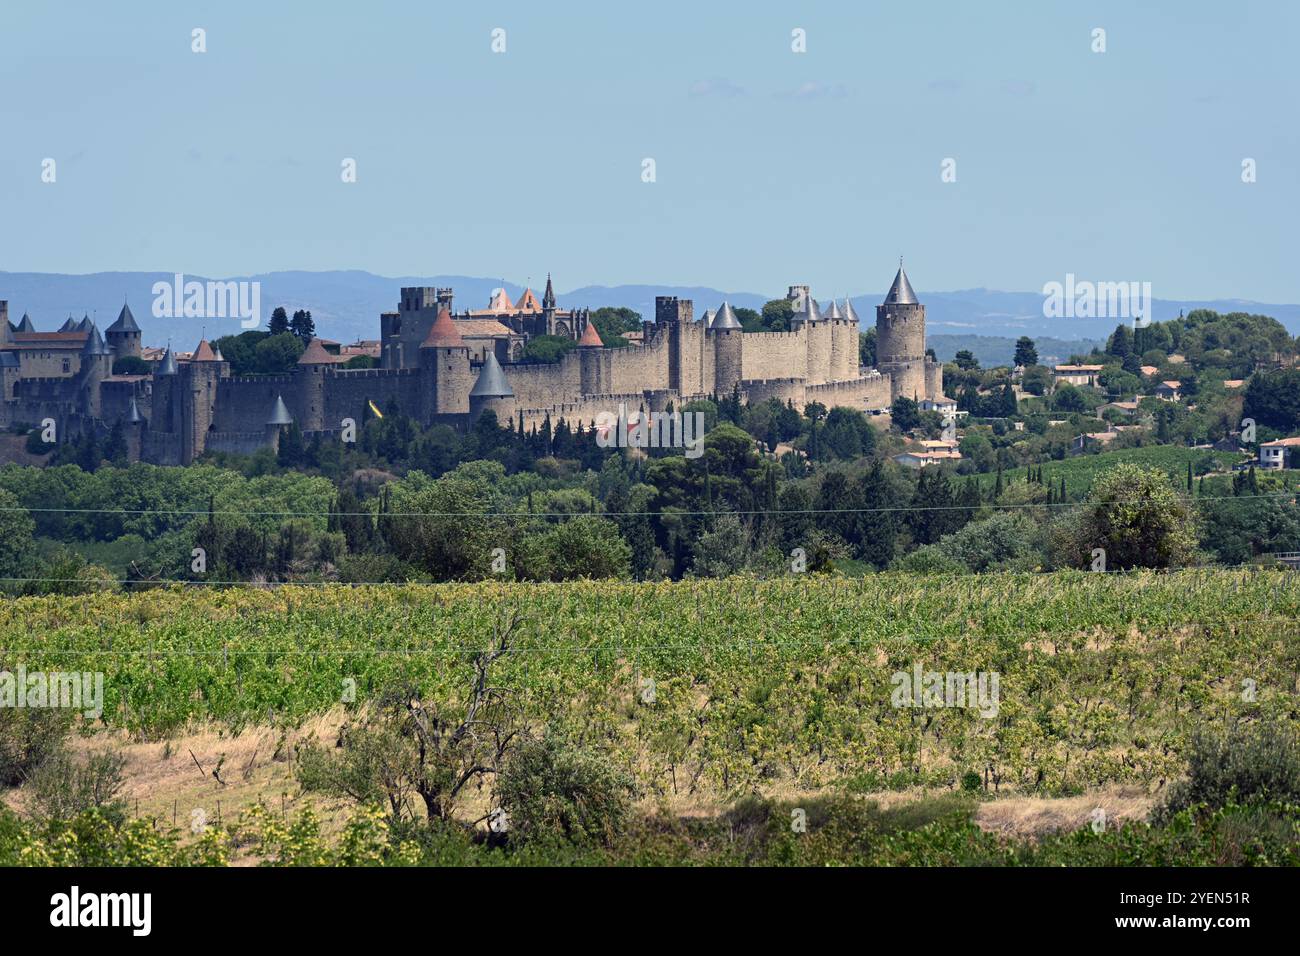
{"x": 346, "y": 304}
{"x": 994, "y": 350}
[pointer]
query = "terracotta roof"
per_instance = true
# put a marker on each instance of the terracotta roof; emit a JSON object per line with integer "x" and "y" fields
{"x": 528, "y": 302}
{"x": 1285, "y": 442}
{"x": 443, "y": 334}
{"x": 204, "y": 352}
{"x": 315, "y": 354}
{"x": 500, "y": 302}
{"x": 1079, "y": 368}
{"x": 1171, "y": 383}
{"x": 481, "y": 327}
{"x": 590, "y": 338}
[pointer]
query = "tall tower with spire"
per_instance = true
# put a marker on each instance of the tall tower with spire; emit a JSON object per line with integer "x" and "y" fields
{"x": 900, "y": 339}
{"x": 548, "y": 307}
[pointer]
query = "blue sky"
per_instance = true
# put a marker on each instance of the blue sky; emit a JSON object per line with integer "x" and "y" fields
{"x": 772, "y": 167}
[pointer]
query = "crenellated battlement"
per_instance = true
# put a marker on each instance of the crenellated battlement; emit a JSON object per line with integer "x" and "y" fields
{"x": 677, "y": 360}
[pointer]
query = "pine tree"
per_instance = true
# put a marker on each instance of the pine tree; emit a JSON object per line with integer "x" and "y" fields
{"x": 302, "y": 325}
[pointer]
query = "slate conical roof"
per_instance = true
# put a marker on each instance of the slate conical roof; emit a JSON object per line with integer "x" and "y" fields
{"x": 25, "y": 324}
{"x": 69, "y": 325}
{"x": 491, "y": 381}
{"x": 849, "y": 312}
{"x": 443, "y": 334}
{"x": 85, "y": 325}
{"x": 900, "y": 293}
{"x": 95, "y": 343}
{"x": 168, "y": 364}
{"x": 590, "y": 338}
{"x": 125, "y": 321}
{"x": 813, "y": 314}
{"x": 315, "y": 354}
{"x": 279, "y": 413}
{"x": 833, "y": 312}
{"x": 725, "y": 318}
{"x": 133, "y": 413}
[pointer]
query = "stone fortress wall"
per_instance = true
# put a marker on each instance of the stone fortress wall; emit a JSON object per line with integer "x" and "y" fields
{"x": 429, "y": 370}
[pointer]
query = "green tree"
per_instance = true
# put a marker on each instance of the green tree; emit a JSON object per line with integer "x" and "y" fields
{"x": 276, "y": 354}
{"x": 302, "y": 326}
{"x": 547, "y": 349}
{"x": 1026, "y": 353}
{"x": 867, "y": 348}
{"x": 905, "y": 414}
{"x": 612, "y": 322}
{"x": 778, "y": 315}
{"x": 1136, "y": 516}
{"x": 279, "y": 323}
{"x": 131, "y": 365}
{"x": 16, "y": 531}
{"x": 1273, "y": 399}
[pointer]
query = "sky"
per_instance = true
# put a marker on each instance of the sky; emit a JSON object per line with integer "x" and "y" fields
{"x": 770, "y": 166}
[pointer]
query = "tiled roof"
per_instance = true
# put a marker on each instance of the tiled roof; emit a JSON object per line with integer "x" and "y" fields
{"x": 443, "y": 333}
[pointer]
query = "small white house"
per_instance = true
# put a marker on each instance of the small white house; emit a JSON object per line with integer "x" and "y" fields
{"x": 1278, "y": 454}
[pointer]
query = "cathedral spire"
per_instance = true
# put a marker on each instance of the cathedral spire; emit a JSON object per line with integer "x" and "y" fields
{"x": 548, "y": 297}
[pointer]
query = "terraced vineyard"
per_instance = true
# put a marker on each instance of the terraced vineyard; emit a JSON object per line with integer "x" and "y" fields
{"x": 726, "y": 686}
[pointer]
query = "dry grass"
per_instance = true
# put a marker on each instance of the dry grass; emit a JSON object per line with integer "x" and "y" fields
{"x": 169, "y": 780}
{"x": 210, "y": 770}
{"x": 1038, "y": 816}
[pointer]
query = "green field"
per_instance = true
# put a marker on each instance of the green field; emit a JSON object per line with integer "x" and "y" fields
{"x": 1103, "y": 677}
{"x": 1081, "y": 470}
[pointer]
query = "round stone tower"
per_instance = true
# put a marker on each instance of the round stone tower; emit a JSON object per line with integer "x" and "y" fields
{"x": 445, "y": 369}
{"x": 124, "y": 335}
{"x": 591, "y": 359}
{"x": 726, "y": 331}
{"x": 492, "y": 392}
{"x": 900, "y": 339}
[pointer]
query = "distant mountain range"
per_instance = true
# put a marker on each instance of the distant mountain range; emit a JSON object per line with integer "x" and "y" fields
{"x": 994, "y": 350}
{"x": 346, "y": 304}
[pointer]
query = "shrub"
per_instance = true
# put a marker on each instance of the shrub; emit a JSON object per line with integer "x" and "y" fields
{"x": 27, "y": 739}
{"x": 1243, "y": 764}
{"x": 550, "y": 789}
{"x": 64, "y": 786}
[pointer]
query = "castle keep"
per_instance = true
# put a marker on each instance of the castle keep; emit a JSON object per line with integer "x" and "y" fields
{"x": 442, "y": 367}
